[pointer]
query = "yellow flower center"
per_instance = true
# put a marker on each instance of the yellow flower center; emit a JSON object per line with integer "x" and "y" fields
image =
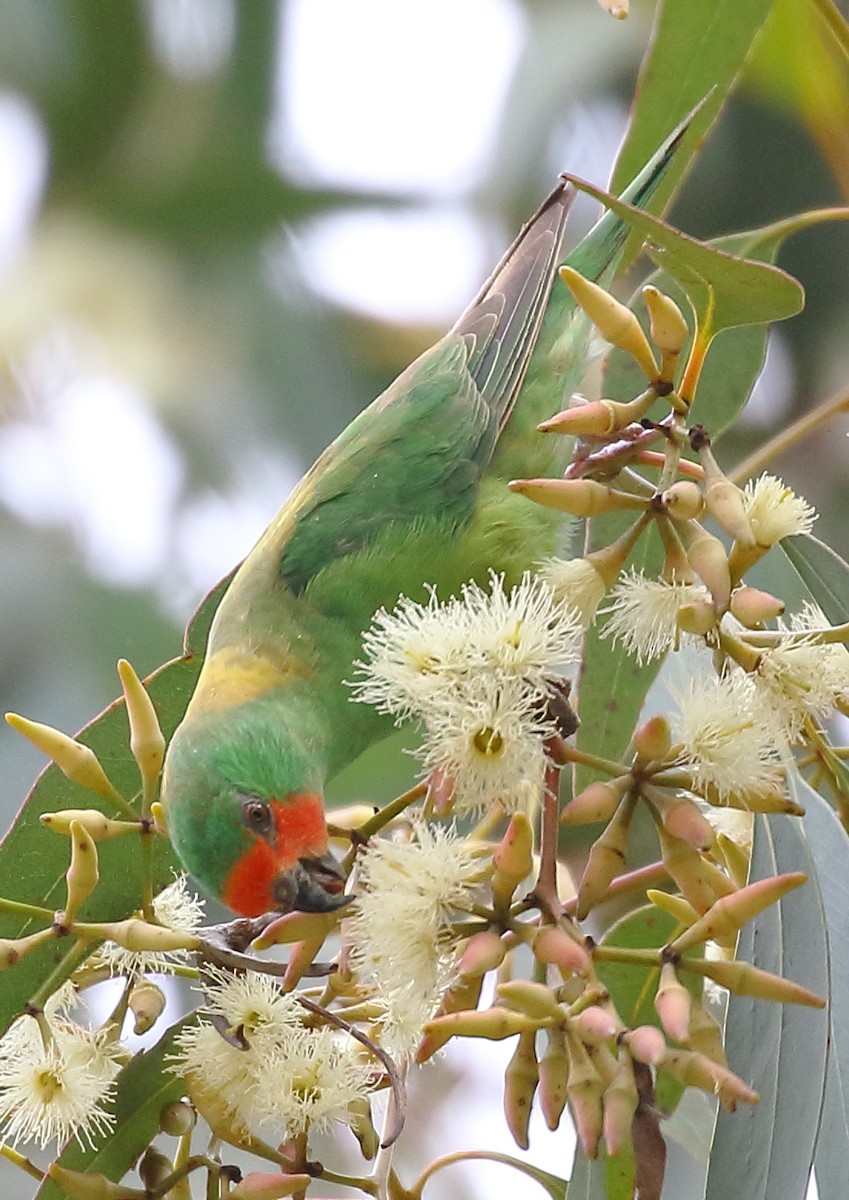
{"x": 488, "y": 742}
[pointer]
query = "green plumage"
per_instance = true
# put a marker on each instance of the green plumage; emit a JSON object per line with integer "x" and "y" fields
{"x": 412, "y": 492}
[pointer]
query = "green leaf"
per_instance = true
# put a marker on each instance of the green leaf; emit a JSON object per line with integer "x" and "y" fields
{"x": 588, "y": 1179}
{"x": 824, "y": 573}
{"x": 725, "y": 289}
{"x": 145, "y": 1086}
{"x": 830, "y": 849}
{"x": 34, "y": 860}
{"x": 734, "y": 361}
{"x": 779, "y": 1049}
{"x": 698, "y": 48}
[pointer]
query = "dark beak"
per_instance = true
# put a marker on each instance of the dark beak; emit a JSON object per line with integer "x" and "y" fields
{"x": 312, "y": 885}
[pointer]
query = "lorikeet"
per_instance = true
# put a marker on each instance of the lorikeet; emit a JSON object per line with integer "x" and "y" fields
{"x": 412, "y": 492}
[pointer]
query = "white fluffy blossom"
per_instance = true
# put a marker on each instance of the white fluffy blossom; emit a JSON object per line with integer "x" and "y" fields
{"x": 643, "y": 614}
{"x": 291, "y": 1077}
{"x": 400, "y": 935}
{"x": 57, "y": 1086}
{"x": 487, "y": 739}
{"x": 576, "y": 583}
{"x": 728, "y": 737}
{"x": 775, "y": 511}
{"x": 476, "y": 672}
{"x": 801, "y": 677}
{"x": 177, "y": 908}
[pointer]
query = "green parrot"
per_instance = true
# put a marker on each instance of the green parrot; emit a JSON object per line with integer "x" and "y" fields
{"x": 413, "y": 492}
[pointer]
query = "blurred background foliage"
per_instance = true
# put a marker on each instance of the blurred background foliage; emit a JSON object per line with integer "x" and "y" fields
{"x": 225, "y": 225}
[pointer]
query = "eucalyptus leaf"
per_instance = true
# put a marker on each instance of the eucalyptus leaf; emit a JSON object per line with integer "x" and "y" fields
{"x": 713, "y": 38}
{"x": 766, "y": 1150}
{"x": 724, "y": 289}
{"x": 33, "y": 860}
{"x": 830, "y": 847}
{"x": 824, "y": 573}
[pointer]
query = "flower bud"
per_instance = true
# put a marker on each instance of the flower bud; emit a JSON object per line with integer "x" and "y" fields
{"x": 157, "y": 815}
{"x": 668, "y": 328}
{"x": 136, "y": 934}
{"x": 553, "y": 1077}
{"x": 619, "y": 1103}
{"x": 580, "y": 497}
{"x": 730, "y": 913}
{"x": 725, "y": 501}
{"x": 259, "y": 1185}
{"x": 597, "y": 802}
{"x": 301, "y": 957}
{"x": 646, "y": 1044}
{"x": 297, "y": 927}
{"x": 593, "y": 418}
{"x": 684, "y": 500}
{"x": 90, "y": 1185}
{"x": 688, "y": 869}
{"x": 177, "y": 1118}
{"x": 596, "y": 1025}
{"x": 12, "y": 950}
{"x": 736, "y": 859}
{"x": 82, "y": 875}
{"x": 147, "y": 1004}
{"x": 708, "y": 558}
{"x": 704, "y": 1033}
{"x": 681, "y": 817}
{"x": 534, "y": 999}
{"x": 765, "y": 799}
{"x": 520, "y": 1083}
{"x": 672, "y": 1004}
{"x": 513, "y": 859}
{"x": 154, "y": 1168}
{"x": 753, "y": 607}
{"x": 146, "y": 741}
{"x": 614, "y": 321}
{"x": 653, "y": 740}
{"x": 554, "y": 947}
{"x": 606, "y": 860}
{"x": 359, "y": 1121}
{"x": 495, "y": 1024}
{"x": 676, "y": 906}
{"x": 695, "y": 1070}
{"x": 463, "y": 996}
{"x": 483, "y": 952}
{"x": 77, "y": 762}
{"x": 584, "y": 1089}
{"x": 99, "y": 827}
{"x": 743, "y": 979}
{"x": 698, "y": 617}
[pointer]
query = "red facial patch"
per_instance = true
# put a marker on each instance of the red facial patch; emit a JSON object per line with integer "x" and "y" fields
{"x": 301, "y": 828}
{"x": 247, "y": 889}
{"x": 301, "y": 833}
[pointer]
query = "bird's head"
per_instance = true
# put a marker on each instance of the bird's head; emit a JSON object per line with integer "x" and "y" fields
{"x": 243, "y": 803}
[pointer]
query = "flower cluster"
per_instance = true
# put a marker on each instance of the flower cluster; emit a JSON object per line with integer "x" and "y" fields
{"x": 477, "y": 671}
{"x": 290, "y": 1077}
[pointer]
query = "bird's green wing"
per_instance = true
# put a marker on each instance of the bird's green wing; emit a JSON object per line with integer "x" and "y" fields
{"x": 420, "y": 449}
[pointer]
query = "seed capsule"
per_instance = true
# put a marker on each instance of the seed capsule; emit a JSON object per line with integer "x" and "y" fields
{"x": 147, "y": 1004}
{"x": 177, "y": 1118}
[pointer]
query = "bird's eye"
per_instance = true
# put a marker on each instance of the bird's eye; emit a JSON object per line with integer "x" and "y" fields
{"x": 257, "y": 816}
